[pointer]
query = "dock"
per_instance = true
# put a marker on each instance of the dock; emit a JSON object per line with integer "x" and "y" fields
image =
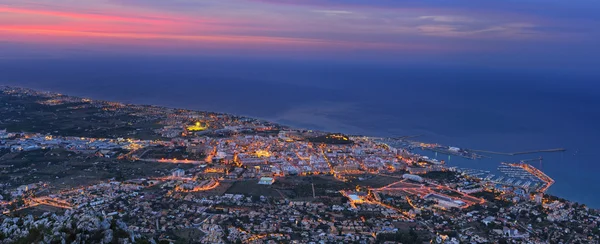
{"x": 520, "y": 153}
{"x": 467, "y": 155}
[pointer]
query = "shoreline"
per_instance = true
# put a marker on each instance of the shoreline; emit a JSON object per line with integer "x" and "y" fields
{"x": 188, "y": 109}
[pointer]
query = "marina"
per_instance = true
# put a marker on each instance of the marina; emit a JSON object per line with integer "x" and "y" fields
{"x": 518, "y": 175}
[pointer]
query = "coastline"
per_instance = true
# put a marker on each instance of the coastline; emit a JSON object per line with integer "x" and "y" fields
{"x": 454, "y": 162}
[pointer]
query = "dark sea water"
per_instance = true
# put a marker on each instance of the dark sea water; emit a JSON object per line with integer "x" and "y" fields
{"x": 470, "y": 107}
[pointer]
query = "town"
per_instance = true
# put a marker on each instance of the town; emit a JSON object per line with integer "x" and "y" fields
{"x": 81, "y": 170}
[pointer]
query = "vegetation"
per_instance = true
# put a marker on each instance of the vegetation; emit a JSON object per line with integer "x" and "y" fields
{"x": 402, "y": 237}
{"x": 440, "y": 175}
{"x": 331, "y": 139}
{"x": 79, "y": 119}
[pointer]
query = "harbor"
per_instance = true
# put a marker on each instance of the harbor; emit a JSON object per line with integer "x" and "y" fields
{"x": 513, "y": 175}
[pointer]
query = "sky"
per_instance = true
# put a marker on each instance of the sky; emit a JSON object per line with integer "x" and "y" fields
{"x": 513, "y": 33}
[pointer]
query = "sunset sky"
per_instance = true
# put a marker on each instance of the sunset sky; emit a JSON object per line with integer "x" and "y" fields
{"x": 499, "y": 32}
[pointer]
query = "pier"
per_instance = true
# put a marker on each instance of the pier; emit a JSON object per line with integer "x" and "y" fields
{"x": 520, "y": 153}
{"x": 466, "y": 154}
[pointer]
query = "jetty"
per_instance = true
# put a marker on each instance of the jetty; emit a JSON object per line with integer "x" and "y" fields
{"x": 520, "y": 153}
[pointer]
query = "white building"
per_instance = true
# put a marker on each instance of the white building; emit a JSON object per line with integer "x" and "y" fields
{"x": 178, "y": 173}
{"x": 266, "y": 181}
{"x": 412, "y": 177}
{"x": 470, "y": 189}
{"x": 538, "y": 198}
{"x": 355, "y": 198}
{"x": 444, "y": 201}
{"x": 5, "y": 135}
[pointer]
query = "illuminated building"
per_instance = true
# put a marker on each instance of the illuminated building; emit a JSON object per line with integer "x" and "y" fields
{"x": 347, "y": 169}
{"x": 418, "y": 170}
{"x": 196, "y": 187}
{"x": 216, "y": 169}
{"x": 196, "y": 127}
{"x": 263, "y": 153}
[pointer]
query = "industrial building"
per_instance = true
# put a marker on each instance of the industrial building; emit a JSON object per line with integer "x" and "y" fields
{"x": 412, "y": 177}
{"x": 445, "y": 201}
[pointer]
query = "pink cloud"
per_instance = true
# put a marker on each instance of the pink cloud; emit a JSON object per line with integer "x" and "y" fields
{"x": 87, "y": 16}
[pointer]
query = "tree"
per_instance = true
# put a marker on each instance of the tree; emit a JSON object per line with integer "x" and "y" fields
{"x": 142, "y": 241}
{"x": 35, "y": 235}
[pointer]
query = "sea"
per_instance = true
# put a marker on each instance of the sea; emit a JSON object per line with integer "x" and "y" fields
{"x": 465, "y": 106}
